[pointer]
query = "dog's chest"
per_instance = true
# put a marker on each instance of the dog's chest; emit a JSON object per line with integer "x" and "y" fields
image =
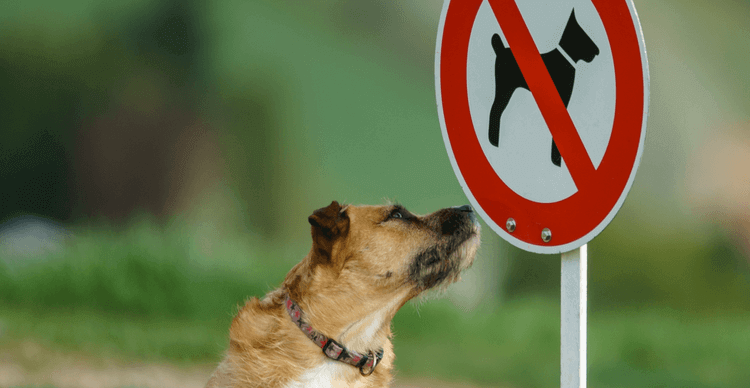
{"x": 329, "y": 374}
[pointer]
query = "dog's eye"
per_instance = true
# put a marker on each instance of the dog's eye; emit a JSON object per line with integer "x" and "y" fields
{"x": 398, "y": 212}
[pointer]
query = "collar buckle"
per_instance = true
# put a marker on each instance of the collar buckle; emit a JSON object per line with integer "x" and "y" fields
{"x": 333, "y": 349}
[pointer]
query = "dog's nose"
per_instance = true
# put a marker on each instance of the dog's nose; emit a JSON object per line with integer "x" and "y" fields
{"x": 466, "y": 209}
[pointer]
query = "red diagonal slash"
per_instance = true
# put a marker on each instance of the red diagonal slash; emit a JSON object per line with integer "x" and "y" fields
{"x": 544, "y": 91}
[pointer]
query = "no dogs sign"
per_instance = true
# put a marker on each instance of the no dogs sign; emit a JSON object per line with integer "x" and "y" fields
{"x": 543, "y": 109}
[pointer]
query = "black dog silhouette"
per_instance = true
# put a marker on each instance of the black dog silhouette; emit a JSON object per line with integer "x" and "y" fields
{"x": 574, "y": 41}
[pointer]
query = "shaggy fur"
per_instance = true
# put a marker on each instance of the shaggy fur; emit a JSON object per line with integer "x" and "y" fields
{"x": 365, "y": 263}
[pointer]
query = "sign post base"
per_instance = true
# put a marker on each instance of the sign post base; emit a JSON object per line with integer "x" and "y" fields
{"x": 573, "y": 302}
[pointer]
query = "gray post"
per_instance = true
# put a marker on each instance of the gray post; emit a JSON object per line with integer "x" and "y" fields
{"x": 573, "y": 301}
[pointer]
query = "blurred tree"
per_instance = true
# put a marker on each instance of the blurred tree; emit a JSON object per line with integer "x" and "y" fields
{"x": 128, "y": 149}
{"x": 36, "y": 123}
{"x": 251, "y": 147}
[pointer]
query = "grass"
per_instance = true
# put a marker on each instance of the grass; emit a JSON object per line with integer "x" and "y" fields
{"x": 519, "y": 343}
{"x": 516, "y": 344}
{"x": 111, "y": 335}
{"x": 145, "y": 271}
{"x": 158, "y": 294}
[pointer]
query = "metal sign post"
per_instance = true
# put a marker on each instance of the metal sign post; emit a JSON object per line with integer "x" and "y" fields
{"x": 573, "y": 302}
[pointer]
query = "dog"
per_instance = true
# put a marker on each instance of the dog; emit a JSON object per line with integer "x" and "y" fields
{"x": 508, "y": 77}
{"x": 328, "y": 324}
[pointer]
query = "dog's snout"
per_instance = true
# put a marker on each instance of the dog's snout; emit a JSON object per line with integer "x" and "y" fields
{"x": 455, "y": 219}
{"x": 468, "y": 210}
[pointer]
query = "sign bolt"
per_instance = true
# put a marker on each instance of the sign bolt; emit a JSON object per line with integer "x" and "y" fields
{"x": 546, "y": 235}
{"x": 510, "y": 225}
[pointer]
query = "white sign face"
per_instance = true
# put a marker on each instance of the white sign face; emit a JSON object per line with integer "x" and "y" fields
{"x": 522, "y": 157}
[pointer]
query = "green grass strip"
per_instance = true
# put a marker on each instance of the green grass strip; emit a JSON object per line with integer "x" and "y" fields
{"x": 517, "y": 344}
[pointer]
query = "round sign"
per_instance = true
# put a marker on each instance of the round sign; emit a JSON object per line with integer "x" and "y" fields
{"x": 543, "y": 109}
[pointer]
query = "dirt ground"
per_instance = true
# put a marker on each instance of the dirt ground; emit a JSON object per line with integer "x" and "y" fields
{"x": 29, "y": 363}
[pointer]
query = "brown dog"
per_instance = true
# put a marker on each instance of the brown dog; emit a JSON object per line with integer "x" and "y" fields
{"x": 365, "y": 263}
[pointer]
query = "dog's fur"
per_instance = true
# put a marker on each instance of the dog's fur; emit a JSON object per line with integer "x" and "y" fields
{"x": 365, "y": 263}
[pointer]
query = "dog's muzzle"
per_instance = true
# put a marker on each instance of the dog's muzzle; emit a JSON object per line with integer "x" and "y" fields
{"x": 466, "y": 209}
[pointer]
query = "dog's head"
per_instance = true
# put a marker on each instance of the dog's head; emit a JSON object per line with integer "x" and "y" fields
{"x": 386, "y": 250}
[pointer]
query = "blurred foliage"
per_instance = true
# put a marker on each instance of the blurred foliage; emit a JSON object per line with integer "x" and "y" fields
{"x": 708, "y": 274}
{"x": 169, "y": 293}
{"x": 517, "y": 344}
{"x": 145, "y": 271}
{"x": 62, "y": 64}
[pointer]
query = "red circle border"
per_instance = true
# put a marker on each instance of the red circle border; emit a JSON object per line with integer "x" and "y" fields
{"x": 574, "y": 217}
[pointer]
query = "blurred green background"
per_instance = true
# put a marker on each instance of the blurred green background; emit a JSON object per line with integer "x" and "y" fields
{"x": 159, "y": 159}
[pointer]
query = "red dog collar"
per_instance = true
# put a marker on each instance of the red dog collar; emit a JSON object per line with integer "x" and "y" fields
{"x": 331, "y": 348}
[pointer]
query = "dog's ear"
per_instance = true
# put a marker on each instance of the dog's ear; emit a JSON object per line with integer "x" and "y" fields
{"x": 328, "y": 224}
{"x": 331, "y": 220}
